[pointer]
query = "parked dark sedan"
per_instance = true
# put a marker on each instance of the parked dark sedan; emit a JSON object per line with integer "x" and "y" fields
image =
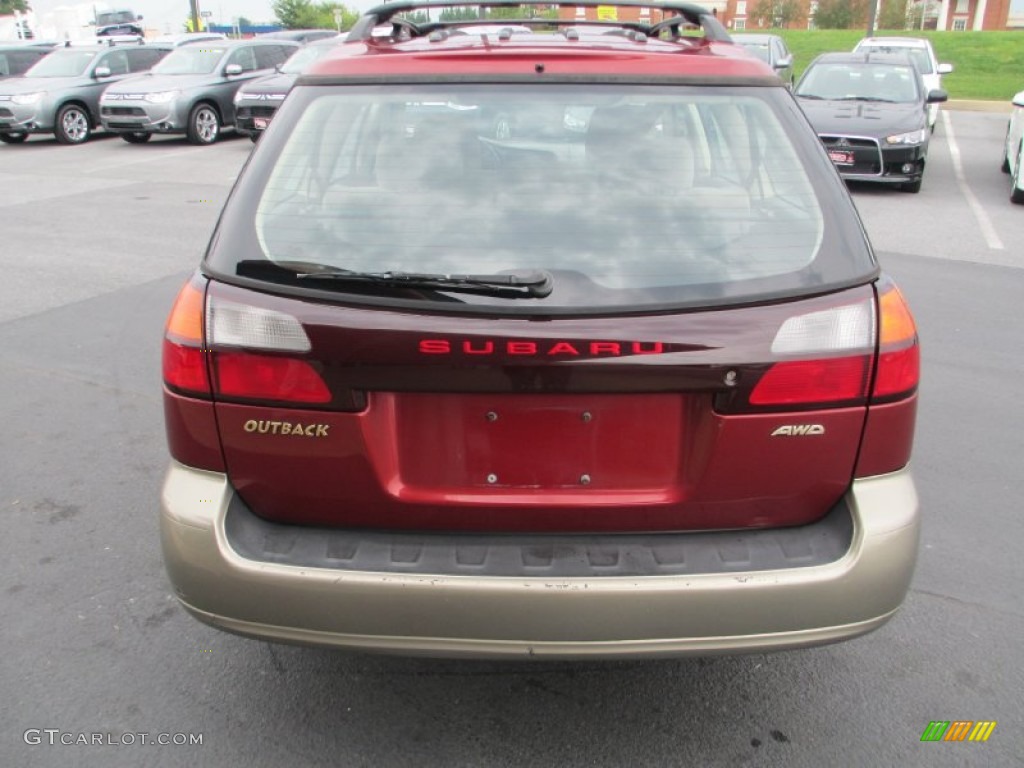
{"x": 257, "y": 101}
{"x": 871, "y": 113}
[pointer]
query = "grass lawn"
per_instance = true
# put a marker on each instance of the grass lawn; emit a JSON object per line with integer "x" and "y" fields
{"x": 986, "y": 65}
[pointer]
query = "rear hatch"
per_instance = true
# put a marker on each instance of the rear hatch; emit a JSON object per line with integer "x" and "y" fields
{"x": 591, "y": 348}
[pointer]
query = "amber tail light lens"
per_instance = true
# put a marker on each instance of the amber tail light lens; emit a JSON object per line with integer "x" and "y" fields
{"x": 184, "y": 357}
{"x": 899, "y": 363}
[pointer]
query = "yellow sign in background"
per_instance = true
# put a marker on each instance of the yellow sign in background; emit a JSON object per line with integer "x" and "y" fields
{"x": 607, "y": 13}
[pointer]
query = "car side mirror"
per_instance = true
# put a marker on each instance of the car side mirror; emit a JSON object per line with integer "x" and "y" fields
{"x": 1018, "y": 100}
{"x": 944, "y": 69}
{"x": 784, "y": 63}
{"x": 233, "y": 69}
{"x": 101, "y": 72}
{"x": 936, "y": 95}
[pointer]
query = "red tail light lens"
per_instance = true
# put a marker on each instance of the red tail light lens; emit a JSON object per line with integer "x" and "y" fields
{"x": 257, "y": 355}
{"x": 823, "y": 358}
{"x": 268, "y": 377}
{"x": 899, "y": 364}
{"x": 237, "y": 372}
{"x": 814, "y": 382}
{"x": 184, "y": 357}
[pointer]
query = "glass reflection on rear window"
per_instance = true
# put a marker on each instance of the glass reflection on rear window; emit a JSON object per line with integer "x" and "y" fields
{"x": 617, "y": 193}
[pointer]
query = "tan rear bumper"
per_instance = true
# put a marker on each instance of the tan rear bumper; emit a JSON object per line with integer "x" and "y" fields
{"x": 447, "y": 614}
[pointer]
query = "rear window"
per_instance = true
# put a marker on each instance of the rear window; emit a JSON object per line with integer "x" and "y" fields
{"x": 628, "y": 197}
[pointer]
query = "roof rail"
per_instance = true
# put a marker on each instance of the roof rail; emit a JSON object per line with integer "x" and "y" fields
{"x": 674, "y": 16}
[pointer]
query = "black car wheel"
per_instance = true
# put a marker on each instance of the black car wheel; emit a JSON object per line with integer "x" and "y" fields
{"x": 137, "y": 137}
{"x": 203, "y": 124}
{"x": 13, "y": 138}
{"x": 73, "y": 125}
{"x": 913, "y": 187}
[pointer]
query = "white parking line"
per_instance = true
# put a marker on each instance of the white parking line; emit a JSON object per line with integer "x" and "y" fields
{"x": 984, "y": 223}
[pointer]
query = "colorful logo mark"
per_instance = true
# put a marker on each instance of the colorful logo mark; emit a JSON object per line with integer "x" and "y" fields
{"x": 958, "y": 730}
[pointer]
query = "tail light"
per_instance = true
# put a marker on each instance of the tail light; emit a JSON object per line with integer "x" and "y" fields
{"x": 253, "y": 355}
{"x": 889, "y": 430}
{"x": 848, "y": 355}
{"x": 822, "y": 358}
{"x": 184, "y": 357}
{"x": 899, "y": 365}
{"x": 250, "y": 353}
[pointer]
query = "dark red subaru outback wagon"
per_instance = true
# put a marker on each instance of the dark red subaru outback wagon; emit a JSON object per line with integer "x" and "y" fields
{"x": 566, "y": 343}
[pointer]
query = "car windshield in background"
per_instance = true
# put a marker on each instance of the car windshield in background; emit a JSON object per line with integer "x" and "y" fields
{"x": 196, "y": 59}
{"x": 867, "y": 82}
{"x": 919, "y": 56}
{"x": 67, "y": 63}
{"x": 627, "y": 197}
{"x": 298, "y": 62}
{"x": 115, "y": 17}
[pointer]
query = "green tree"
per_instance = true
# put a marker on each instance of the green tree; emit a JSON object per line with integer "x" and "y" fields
{"x": 893, "y": 15}
{"x": 296, "y": 14}
{"x": 459, "y": 14}
{"x": 304, "y": 14}
{"x": 8, "y": 7}
{"x": 325, "y": 16}
{"x": 777, "y": 13}
{"x": 841, "y": 14}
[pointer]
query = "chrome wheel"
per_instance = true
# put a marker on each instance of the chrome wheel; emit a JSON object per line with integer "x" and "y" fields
{"x": 72, "y": 125}
{"x": 204, "y": 125}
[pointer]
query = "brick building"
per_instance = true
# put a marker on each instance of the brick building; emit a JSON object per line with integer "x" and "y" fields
{"x": 953, "y": 15}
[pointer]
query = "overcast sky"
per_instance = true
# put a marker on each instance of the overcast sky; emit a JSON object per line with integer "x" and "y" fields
{"x": 170, "y": 15}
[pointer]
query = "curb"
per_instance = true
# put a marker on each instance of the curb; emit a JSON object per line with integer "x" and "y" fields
{"x": 975, "y": 105}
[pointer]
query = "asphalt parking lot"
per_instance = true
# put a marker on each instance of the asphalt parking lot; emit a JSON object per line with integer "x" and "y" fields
{"x": 98, "y": 238}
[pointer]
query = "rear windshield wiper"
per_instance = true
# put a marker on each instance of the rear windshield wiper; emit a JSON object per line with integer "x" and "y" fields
{"x": 535, "y": 284}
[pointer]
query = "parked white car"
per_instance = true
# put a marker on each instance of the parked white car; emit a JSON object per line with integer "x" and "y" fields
{"x": 921, "y": 53}
{"x": 1013, "y": 152}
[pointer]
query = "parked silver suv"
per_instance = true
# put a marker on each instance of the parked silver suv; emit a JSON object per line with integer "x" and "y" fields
{"x": 16, "y": 58}
{"x": 61, "y": 93}
{"x": 191, "y": 91}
